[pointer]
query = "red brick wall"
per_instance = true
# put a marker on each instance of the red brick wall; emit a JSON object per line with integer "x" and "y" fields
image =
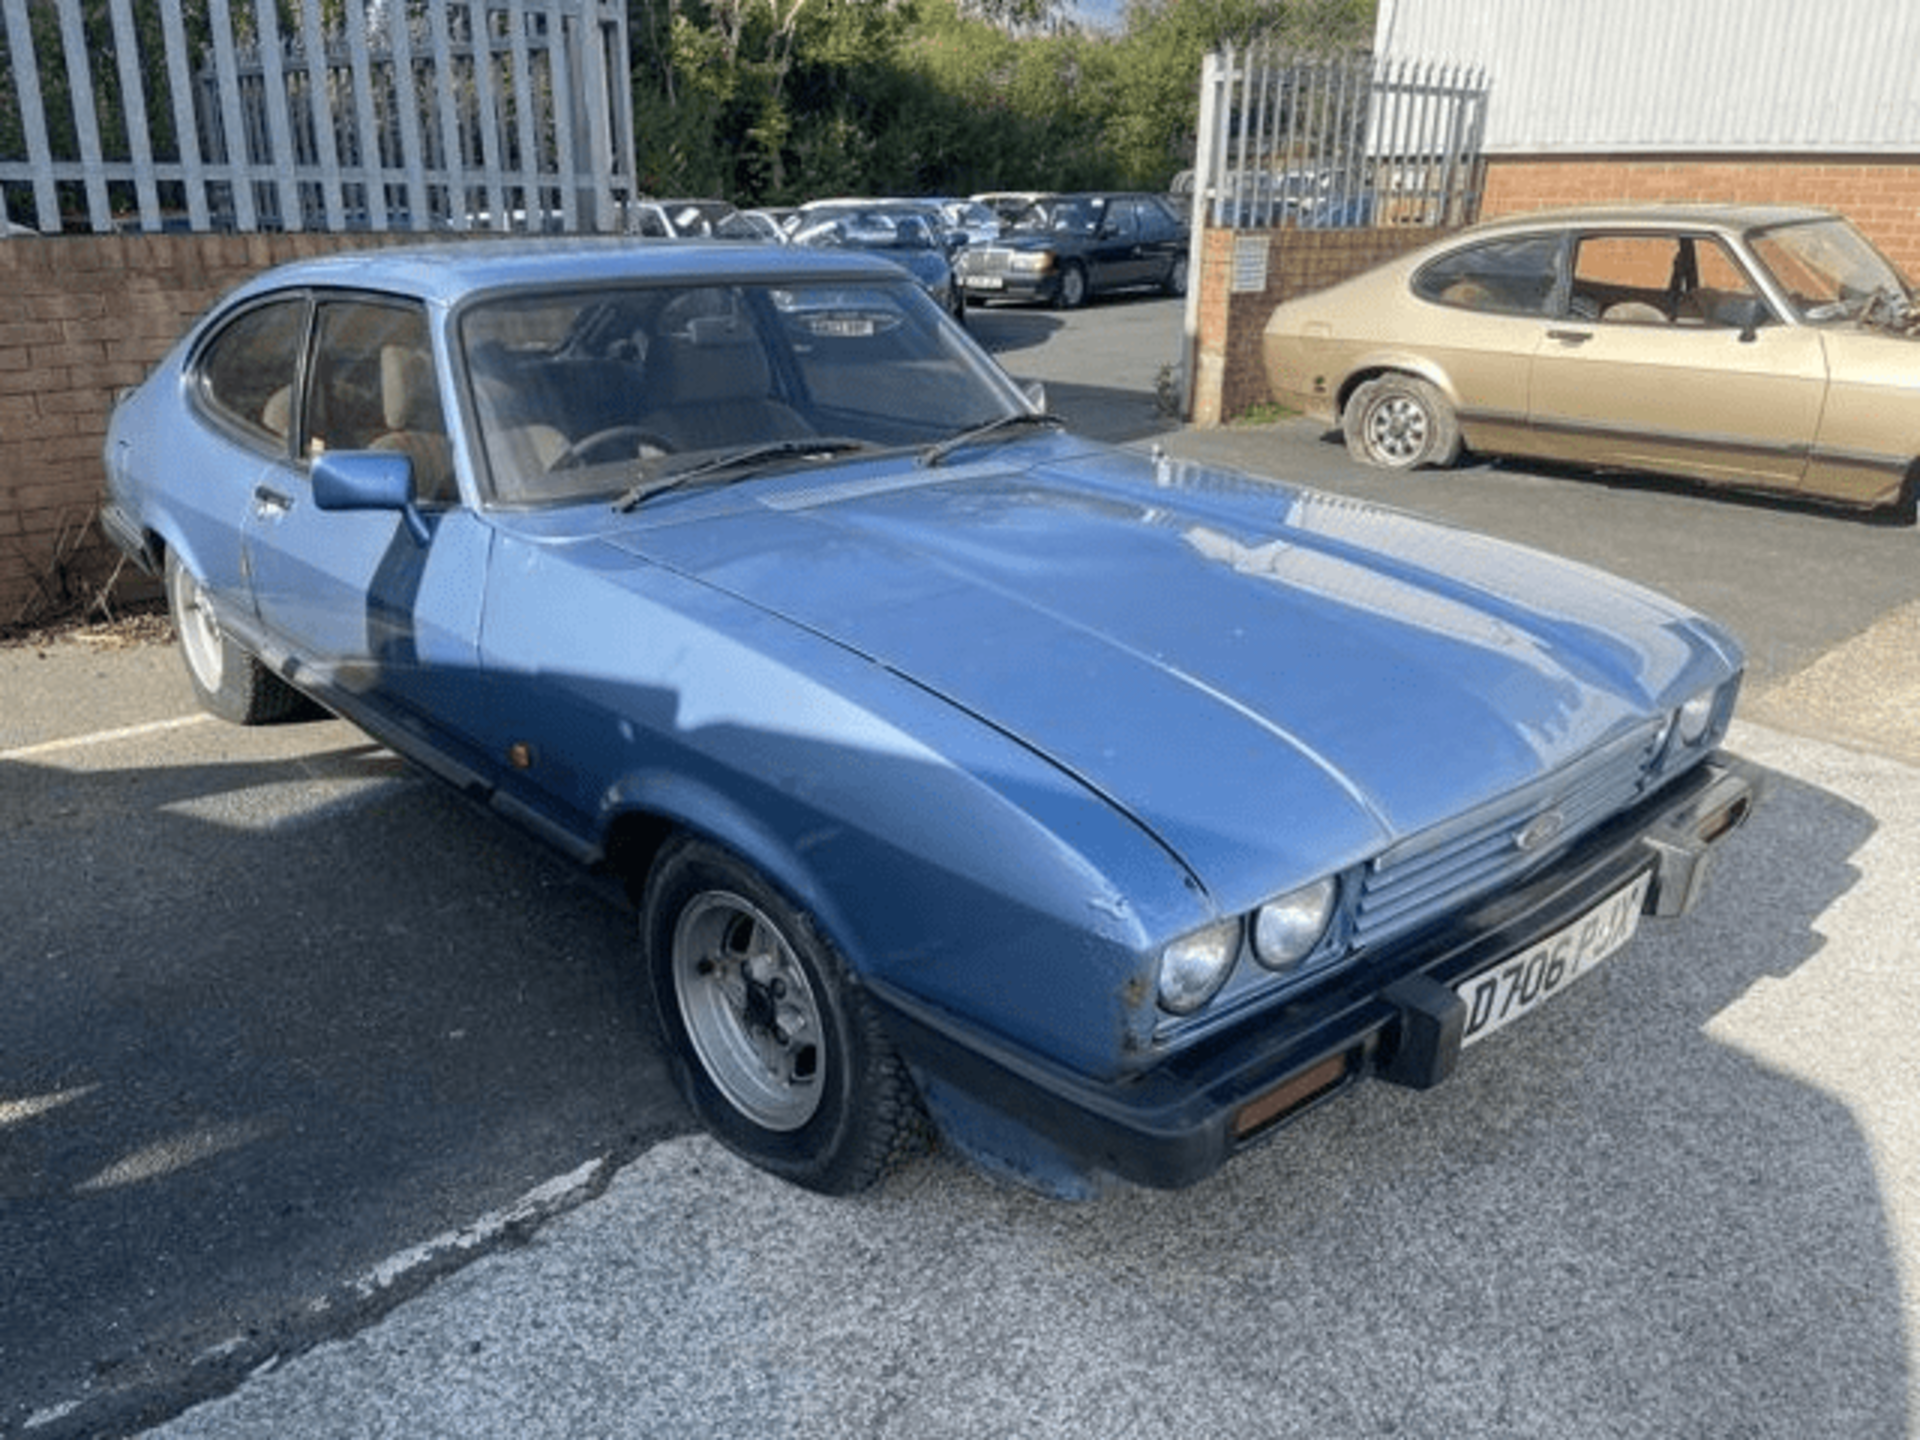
{"x": 1882, "y": 197}
{"x": 1229, "y": 374}
{"x": 85, "y": 315}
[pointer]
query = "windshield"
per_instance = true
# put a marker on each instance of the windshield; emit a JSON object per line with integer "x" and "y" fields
{"x": 1828, "y": 269}
{"x": 868, "y": 230}
{"x": 586, "y": 394}
{"x": 1070, "y": 217}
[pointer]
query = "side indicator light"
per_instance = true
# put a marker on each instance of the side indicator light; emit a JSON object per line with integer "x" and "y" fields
{"x": 1288, "y": 1096}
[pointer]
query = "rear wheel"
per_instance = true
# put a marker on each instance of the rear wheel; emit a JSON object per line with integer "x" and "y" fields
{"x": 228, "y": 682}
{"x": 1401, "y": 422}
{"x": 773, "y": 1046}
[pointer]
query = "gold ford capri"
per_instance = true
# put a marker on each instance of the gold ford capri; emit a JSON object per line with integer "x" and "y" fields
{"x": 1759, "y": 347}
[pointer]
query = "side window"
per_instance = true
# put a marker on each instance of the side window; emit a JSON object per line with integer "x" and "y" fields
{"x": 1157, "y": 221}
{"x": 246, "y": 372}
{"x": 1501, "y": 277}
{"x": 1720, "y": 286}
{"x": 1655, "y": 280}
{"x": 1624, "y": 279}
{"x": 1122, "y": 223}
{"x": 373, "y": 387}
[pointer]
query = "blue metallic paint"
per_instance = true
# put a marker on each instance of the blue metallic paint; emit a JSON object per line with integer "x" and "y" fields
{"x": 1004, "y": 727}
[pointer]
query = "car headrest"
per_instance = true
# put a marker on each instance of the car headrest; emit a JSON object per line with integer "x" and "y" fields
{"x": 408, "y": 400}
{"x": 716, "y": 358}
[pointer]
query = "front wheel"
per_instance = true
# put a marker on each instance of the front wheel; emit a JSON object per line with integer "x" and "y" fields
{"x": 1401, "y": 422}
{"x": 1073, "y": 287}
{"x": 228, "y": 682}
{"x": 773, "y": 1046}
{"x": 1176, "y": 282}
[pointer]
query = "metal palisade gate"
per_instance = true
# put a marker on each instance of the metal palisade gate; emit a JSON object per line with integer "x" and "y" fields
{"x": 315, "y": 114}
{"x": 1336, "y": 143}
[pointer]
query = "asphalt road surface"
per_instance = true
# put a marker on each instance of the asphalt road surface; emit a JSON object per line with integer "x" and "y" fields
{"x": 325, "y": 1101}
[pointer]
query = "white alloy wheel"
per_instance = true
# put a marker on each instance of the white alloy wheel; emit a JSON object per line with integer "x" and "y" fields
{"x": 749, "y": 1010}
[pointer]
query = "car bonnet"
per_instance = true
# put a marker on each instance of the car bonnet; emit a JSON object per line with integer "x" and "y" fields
{"x": 1269, "y": 680}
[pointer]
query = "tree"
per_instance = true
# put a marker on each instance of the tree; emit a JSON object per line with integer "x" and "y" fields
{"x": 1150, "y": 127}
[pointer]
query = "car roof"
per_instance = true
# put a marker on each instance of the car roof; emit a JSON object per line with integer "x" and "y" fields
{"x": 1725, "y": 219}
{"x": 445, "y": 271}
{"x": 1089, "y": 195}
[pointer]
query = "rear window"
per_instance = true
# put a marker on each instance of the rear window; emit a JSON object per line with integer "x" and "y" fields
{"x": 1514, "y": 276}
{"x": 246, "y": 371}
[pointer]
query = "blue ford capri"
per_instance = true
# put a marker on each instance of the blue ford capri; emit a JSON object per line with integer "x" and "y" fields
{"x": 1092, "y": 812}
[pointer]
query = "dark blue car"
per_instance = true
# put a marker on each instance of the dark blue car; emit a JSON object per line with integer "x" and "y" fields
{"x": 1103, "y": 811}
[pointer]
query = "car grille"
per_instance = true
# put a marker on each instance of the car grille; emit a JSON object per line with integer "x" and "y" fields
{"x": 987, "y": 260}
{"x": 1437, "y": 871}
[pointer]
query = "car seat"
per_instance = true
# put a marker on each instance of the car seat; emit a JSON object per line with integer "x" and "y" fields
{"x": 415, "y": 424}
{"x": 717, "y": 387}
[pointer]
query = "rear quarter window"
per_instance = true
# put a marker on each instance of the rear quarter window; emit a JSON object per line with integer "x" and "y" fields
{"x": 246, "y": 371}
{"x": 1507, "y": 277}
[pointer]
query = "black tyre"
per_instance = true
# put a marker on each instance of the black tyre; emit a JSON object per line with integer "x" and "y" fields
{"x": 1073, "y": 286}
{"x": 1176, "y": 282}
{"x": 1401, "y": 422}
{"x": 773, "y": 1046}
{"x": 228, "y": 682}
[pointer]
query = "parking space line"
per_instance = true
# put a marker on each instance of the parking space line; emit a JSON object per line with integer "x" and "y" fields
{"x": 101, "y": 737}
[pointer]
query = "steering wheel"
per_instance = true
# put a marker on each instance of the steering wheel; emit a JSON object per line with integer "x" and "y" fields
{"x": 602, "y": 445}
{"x": 1886, "y": 307}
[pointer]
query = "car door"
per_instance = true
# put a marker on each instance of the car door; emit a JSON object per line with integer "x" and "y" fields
{"x": 361, "y": 605}
{"x": 1652, "y": 366}
{"x": 240, "y": 385}
{"x": 1488, "y": 304}
{"x": 1116, "y": 259}
{"x": 1163, "y": 242}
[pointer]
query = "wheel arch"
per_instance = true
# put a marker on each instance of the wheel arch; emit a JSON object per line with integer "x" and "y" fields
{"x": 1375, "y": 367}
{"x": 651, "y": 809}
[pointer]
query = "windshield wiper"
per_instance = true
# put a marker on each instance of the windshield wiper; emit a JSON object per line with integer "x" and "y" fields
{"x": 1004, "y": 427}
{"x": 752, "y": 457}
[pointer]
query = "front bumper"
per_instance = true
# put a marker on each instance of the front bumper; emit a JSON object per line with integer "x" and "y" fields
{"x": 1011, "y": 285}
{"x": 1394, "y": 1015}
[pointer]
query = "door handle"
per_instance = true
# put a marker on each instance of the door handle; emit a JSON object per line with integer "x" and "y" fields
{"x": 269, "y": 501}
{"x": 1572, "y": 337}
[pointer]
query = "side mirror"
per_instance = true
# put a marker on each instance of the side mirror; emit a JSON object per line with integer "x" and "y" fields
{"x": 1745, "y": 314}
{"x": 368, "y": 480}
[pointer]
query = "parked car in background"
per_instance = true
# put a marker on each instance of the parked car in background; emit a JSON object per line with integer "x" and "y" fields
{"x": 1765, "y": 347}
{"x": 1063, "y": 249}
{"x": 1104, "y": 810}
{"x": 968, "y": 222}
{"x": 678, "y": 219}
{"x": 907, "y": 232}
{"x": 759, "y": 223}
{"x": 1008, "y": 205}
{"x": 1337, "y": 210}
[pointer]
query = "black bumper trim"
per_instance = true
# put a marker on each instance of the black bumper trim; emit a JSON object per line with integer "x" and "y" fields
{"x": 1394, "y": 1014}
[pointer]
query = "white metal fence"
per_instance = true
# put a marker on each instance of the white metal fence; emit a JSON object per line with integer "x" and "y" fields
{"x": 1334, "y": 143}
{"x": 360, "y": 114}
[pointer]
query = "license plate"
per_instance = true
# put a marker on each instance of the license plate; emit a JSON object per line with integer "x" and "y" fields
{"x": 1515, "y": 987}
{"x": 985, "y": 282}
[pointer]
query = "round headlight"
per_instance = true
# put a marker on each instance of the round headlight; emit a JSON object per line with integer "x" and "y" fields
{"x": 1695, "y": 716}
{"x": 1195, "y": 966}
{"x": 1286, "y": 930}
